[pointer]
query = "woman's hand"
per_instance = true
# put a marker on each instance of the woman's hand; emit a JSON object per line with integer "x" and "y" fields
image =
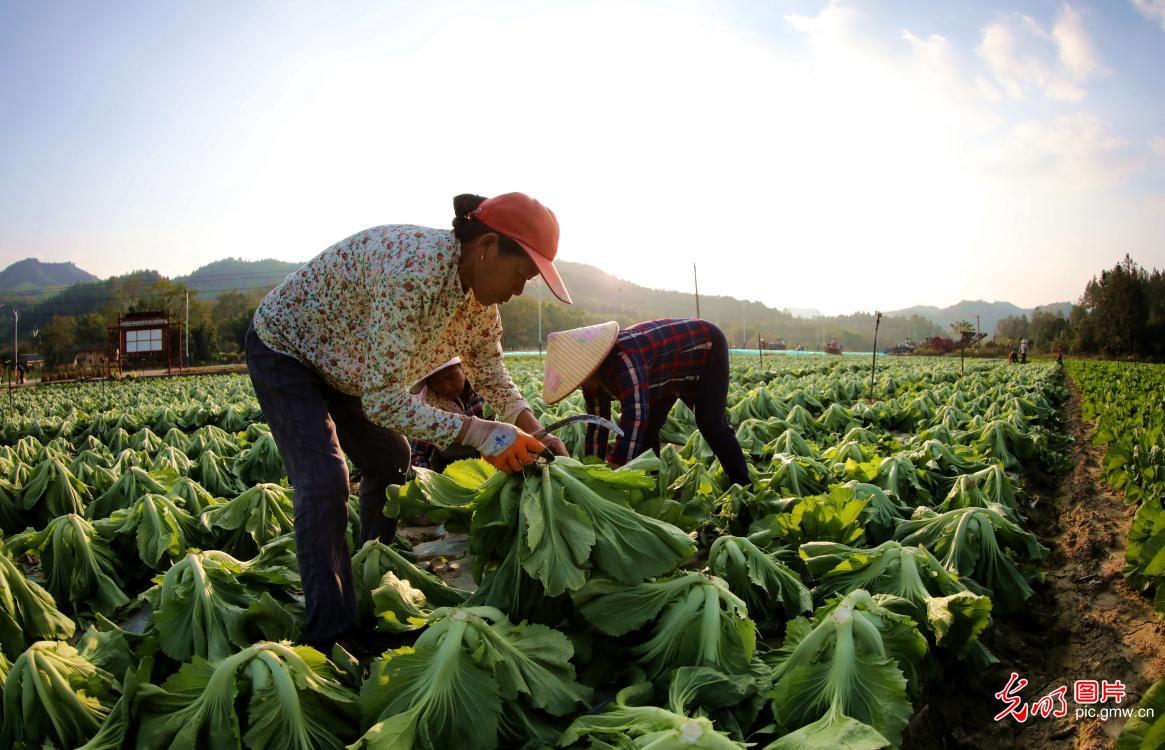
{"x": 503, "y": 445}
{"x": 528, "y": 422}
{"x": 556, "y": 446}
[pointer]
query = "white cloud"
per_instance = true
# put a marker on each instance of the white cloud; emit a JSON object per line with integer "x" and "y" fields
{"x": 670, "y": 137}
{"x": 1076, "y": 153}
{"x": 1077, "y": 53}
{"x": 834, "y": 21}
{"x": 1154, "y": 10}
{"x": 1024, "y": 56}
{"x": 1157, "y": 145}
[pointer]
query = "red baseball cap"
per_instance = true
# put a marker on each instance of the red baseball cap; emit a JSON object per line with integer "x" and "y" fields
{"x": 531, "y": 225}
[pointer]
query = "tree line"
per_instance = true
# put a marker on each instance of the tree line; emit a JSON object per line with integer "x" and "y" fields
{"x": 76, "y": 320}
{"x": 1120, "y": 314}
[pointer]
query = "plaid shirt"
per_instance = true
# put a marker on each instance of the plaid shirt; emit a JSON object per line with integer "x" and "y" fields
{"x": 469, "y": 404}
{"x": 650, "y": 362}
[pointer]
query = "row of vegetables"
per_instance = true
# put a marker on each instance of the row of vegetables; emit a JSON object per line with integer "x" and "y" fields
{"x": 149, "y": 595}
{"x": 1124, "y": 400}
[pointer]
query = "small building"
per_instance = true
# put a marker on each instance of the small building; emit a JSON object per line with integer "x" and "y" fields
{"x": 90, "y": 358}
{"x": 141, "y": 339}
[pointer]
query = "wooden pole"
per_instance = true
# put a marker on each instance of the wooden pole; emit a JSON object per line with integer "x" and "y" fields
{"x": 539, "y": 287}
{"x": 874, "y": 356}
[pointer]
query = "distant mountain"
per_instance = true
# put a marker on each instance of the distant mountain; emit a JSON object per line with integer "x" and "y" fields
{"x": 597, "y": 291}
{"x": 600, "y": 296}
{"x": 990, "y": 313}
{"x": 30, "y": 275}
{"x": 236, "y": 274}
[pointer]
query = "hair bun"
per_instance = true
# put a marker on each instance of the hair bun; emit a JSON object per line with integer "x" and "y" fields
{"x": 465, "y": 204}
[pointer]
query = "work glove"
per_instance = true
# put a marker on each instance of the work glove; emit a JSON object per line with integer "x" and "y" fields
{"x": 502, "y": 445}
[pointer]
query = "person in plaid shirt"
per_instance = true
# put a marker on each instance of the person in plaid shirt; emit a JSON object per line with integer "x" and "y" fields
{"x": 446, "y": 388}
{"x": 651, "y": 365}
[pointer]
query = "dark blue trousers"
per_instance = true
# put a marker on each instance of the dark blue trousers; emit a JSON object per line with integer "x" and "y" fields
{"x": 312, "y": 423}
{"x": 706, "y": 397}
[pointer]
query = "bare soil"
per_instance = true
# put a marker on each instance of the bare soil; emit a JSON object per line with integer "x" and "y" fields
{"x": 1083, "y": 623}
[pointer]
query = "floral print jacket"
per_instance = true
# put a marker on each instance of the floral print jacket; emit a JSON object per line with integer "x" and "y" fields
{"x": 377, "y": 311}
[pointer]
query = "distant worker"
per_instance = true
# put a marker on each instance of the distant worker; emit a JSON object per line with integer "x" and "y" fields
{"x": 1023, "y": 351}
{"x": 1013, "y": 356}
{"x": 647, "y": 367}
{"x": 445, "y": 388}
{"x": 1060, "y": 354}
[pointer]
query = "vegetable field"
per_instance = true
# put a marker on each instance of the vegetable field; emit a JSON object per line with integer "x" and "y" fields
{"x": 1125, "y": 401}
{"x": 149, "y": 591}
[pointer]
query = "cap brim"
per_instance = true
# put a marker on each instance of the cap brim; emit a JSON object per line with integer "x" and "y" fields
{"x": 549, "y": 275}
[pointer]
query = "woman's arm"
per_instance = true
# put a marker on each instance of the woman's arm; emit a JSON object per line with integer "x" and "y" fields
{"x": 485, "y": 368}
{"x": 526, "y": 421}
{"x": 397, "y": 317}
{"x": 597, "y": 438}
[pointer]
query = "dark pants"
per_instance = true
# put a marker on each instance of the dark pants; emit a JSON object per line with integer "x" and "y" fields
{"x": 706, "y": 397}
{"x": 311, "y": 422}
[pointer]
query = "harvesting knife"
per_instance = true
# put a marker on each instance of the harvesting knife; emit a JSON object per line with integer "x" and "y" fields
{"x": 587, "y": 418}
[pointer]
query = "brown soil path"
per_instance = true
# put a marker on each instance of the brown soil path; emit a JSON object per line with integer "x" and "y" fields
{"x": 1083, "y": 623}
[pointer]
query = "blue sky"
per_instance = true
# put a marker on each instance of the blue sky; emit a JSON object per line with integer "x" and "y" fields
{"x": 830, "y": 155}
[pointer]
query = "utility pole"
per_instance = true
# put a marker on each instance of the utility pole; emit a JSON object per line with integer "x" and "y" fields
{"x": 15, "y": 346}
{"x": 187, "y": 361}
{"x": 874, "y": 357}
{"x": 977, "y": 336}
{"x": 540, "y": 321}
{"x": 696, "y": 283}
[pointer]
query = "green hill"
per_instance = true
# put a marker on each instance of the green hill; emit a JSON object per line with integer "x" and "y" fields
{"x": 990, "y": 313}
{"x": 31, "y": 275}
{"x": 599, "y": 296}
{"x": 236, "y": 274}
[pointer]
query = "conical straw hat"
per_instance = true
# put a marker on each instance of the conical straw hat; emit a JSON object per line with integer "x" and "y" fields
{"x": 571, "y": 357}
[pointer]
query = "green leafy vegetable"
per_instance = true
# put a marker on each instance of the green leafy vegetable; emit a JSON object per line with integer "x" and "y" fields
{"x": 770, "y": 588}
{"x": 53, "y": 490}
{"x": 54, "y": 694}
{"x": 161, "y": 528}
{"x": 845, "y": 666}
{"x": 78, "y": 563}
{"x": 449, "y": 690}
{"x": 375, "y": 559}
{"x": 703, "y": 622}
{"x": 974, "y": 543}
{"x": 294, "y": 701}
{"x": 644, "y": 726}
{"x": 27, "y": 611}
{"x": 205, "y": 601}
{"x": 254, "y": 518}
